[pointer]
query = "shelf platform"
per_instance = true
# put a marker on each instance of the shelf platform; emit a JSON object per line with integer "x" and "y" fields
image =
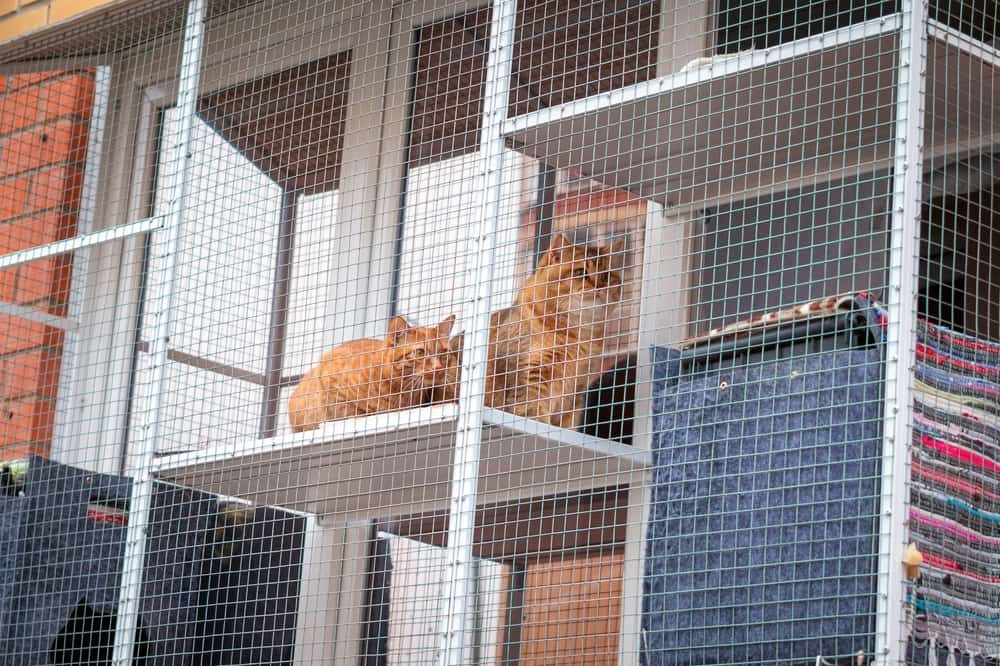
{"x": 818, "y": 108}
{"x": 400, "y": 464}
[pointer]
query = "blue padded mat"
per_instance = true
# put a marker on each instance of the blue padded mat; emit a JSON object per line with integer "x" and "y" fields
{"x": 762, "y": 529}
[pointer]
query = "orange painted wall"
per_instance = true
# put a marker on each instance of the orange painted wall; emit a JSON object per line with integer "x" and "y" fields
{"x": 21, "y": 17}
{"x": 571, "y": 611}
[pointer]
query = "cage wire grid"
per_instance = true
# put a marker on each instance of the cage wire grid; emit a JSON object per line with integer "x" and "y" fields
{"x": 523, "y": 332}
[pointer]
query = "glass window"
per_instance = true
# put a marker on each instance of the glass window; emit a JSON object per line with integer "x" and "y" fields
{"x": 416, "y": 590}
{"x": 440, "y": 210}
{"x": 218, "y": 344}
{"x": 761, "y": 24}
{"x": 258, "y": 255}
{"x": 313, "y": 263}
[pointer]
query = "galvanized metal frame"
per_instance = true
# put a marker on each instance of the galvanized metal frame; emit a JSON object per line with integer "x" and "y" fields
{"x": 39, "y": 316}
{"x": 663, "y": 309}
{"x": 478, "y": 285}
{"x": 279, "y": 315}
{"x": 81, "y": 258}
{"x": 901, "y": 336}
{"x": 912, "y": 26}
{"x": 153, "y": 371}
{"x": 83, "y": 241}
{"x": 666, "y": 82}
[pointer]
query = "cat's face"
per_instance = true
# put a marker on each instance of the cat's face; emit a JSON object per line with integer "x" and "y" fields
{"x": 453, "y": 358}
{"x": 421, "y": 351}
{"x": 582, "y": 282}
{"x": 446, "y": 384}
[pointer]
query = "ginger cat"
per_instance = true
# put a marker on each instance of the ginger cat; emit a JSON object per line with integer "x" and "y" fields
{"x": 370, "y": 376}
{"x": 446, "y": 386}
{"x": 545, "y": 350}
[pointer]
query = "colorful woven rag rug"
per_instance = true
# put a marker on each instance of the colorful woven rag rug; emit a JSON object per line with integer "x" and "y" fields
{"x": 954, "y": 607}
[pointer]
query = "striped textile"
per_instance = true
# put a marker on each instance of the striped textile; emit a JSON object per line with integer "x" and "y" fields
{"x": 954, "y": 606}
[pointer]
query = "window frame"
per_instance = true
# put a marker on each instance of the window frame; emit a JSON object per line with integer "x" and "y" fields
{"x": 387, "y": 240}
{"x": 382, "y": 40}
{"x": 143, "y": 82}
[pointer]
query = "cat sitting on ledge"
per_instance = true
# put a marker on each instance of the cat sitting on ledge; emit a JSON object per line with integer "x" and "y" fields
{"x": 371, "y": 376}
{"x": 544, "y": 352}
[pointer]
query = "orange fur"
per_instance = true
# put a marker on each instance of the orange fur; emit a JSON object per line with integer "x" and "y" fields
{"x": 545, "y": 350}
{"x": 369, "y": 376}
{"x": 446, "y": 387}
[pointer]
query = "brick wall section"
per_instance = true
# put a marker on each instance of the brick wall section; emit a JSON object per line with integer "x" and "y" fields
{"x": 43, "y": 132}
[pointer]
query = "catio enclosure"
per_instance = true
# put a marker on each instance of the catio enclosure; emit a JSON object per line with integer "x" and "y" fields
{"x": 722, "y": 385}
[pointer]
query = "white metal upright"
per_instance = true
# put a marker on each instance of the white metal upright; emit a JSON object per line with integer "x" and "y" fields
{"x": 65, "y": 418}
{"x": 152, "y": 368}
{"x": 478, "y": 303}
{"x": 901, "y": 302}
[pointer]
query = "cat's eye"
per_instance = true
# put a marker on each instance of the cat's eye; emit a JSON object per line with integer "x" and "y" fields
{"x": 580, "y": 273}
{"x": 418, "y": 353}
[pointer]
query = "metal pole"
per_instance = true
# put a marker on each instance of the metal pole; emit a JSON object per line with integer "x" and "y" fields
{"x": 65, "y": 415}
{"x": 478, "y": 299}
{"x": 900, "y": 347}
{"x": 279, "y": 314}
{"x": 514, "y": 616}
{"x": 139, "y": 458}
{"x": 545, "y": 210}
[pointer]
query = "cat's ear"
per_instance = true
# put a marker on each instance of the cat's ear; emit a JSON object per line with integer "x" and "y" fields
{"x": 456, "y": 343}
{"x": 398, "y": 326}
{"x": 444, "y": 328}
{"x": 557, "y": 246}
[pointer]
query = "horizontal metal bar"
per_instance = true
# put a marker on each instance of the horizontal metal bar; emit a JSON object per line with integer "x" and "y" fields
{"x": 683, "y": 79}
{"x": 52, "y": 65}
{"x": 207, "y": 364}
{"x": 957, "y": 39}
{"x": 31, "y": 314}
{"x": 77, "y": 242}
{"x": 219, "y": 368}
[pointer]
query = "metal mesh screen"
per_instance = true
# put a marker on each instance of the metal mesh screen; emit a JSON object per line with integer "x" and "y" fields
{"x": 951, "y": 604}
{"x": 514, "y": 332}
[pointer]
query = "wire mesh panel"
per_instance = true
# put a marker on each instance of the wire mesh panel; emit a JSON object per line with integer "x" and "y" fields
{"x": 535, "y": 332}
{"x": 64, "y": 502}
{"x": 109, "y": 182}
{"x": 759, "y": 163}
{"x": 952, "y": 598}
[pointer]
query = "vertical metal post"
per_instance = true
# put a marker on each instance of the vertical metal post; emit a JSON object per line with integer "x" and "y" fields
{"x": 545, "y": 210}
{"x": 514, "y": 616}
{"x": 65, "y": 422}
{"x": 279, "y": 314}
{"x": 478, "y": 298}
{"x": 900, "y": 348}
{"x": 139, "y": 458}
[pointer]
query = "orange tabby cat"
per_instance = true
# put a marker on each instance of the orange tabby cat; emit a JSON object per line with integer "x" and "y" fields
{"x": 445, "y": 388}
{"x": 370, "y": 376}
{"x": 546, "y": 349}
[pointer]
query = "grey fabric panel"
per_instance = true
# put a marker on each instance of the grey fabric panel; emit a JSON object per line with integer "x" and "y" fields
{"x": 762, "y": 530}
{"x": 11, "y": 515}
{"x": 61, "y": 558}
{"x": 177, "y": 550}
{"x": 253, "y": 590}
